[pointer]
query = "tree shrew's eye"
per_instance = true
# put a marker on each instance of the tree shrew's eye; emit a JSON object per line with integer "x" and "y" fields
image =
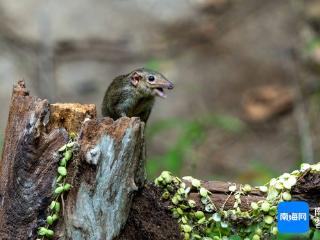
{"x": 151, "y": 78}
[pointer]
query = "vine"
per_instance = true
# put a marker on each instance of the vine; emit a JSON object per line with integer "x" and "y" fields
{"x": 213, "y": 223}
{"x": 65, "y": 155}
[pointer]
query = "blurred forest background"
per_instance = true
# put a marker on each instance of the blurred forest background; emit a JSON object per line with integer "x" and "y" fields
{"x": 246, "y": 101}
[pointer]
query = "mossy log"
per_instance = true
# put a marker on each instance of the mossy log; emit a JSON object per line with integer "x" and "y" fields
{"x": 109, "y": 198}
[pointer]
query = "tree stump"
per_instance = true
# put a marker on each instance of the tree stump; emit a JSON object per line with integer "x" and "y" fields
{"x": 107, "y": 168}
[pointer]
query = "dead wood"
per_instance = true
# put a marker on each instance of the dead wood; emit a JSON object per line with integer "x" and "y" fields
{"x": 108, "y": 166}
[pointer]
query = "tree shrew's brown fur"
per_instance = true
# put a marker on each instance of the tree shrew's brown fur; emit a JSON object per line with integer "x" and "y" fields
{"x": 133, "y": 94}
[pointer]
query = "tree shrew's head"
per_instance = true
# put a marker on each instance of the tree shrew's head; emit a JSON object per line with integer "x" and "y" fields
{"x": 149, "y": 82}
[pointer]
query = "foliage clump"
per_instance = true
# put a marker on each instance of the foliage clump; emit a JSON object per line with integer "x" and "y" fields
{"x": 207, "y": 222}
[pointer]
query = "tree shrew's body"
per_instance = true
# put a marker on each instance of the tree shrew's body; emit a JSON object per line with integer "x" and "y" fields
{"x": 133, "y": 94}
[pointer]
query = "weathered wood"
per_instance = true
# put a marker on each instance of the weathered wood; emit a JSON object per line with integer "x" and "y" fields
{"x": 27, "y": 166}
{"x": 29, "y": 160}
{"x": 221, "y": 196}
{"x": 107, "y": 168}
{"x": 112, "y": 168}
{"x": 70, "y": 115}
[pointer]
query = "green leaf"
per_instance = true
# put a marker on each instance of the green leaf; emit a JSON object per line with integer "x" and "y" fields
{"x": 55, "y": 217}
{"x": 68, "y": 155}
{"x": 59, "y": 178}
{"x": 49, "y": 220}
{"x": 59, "y": 190}
{"x": 52, "y": 205}
{"x": 67, "y": 187}
{"x": 57, "y": 207}
{"x": 49, "y": 233}
{"x": 42, "y": 231}
{"x": 63, "y": 162}
{"x": 62, "y": 171}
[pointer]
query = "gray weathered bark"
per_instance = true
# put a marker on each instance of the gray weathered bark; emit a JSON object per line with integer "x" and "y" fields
{"x": 112, "y": 154}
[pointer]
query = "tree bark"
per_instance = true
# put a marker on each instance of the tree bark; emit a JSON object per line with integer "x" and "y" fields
{"x": 111, "y": 169}
{"x": 27, "y": 165}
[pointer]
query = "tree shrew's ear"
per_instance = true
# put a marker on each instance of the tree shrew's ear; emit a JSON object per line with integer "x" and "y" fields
{"x": 135, "y": 78}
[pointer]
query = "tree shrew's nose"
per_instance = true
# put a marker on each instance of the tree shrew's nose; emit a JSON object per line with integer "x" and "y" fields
{"x": 170, "y": 85}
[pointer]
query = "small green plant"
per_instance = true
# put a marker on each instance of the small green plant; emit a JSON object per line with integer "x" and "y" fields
{"x": 66, "y": 154}
{"x": 212, "y": 223}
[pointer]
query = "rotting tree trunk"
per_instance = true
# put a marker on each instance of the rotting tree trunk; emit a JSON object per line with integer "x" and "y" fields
{"x": 112, "y": 169}
{"x": 109, "y": 198}
{"x": 105, "y": 171}
{"x": 28, "y": 159}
